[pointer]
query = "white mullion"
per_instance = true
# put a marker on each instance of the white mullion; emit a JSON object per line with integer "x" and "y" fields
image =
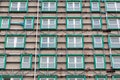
{"x": 18, "y": 6}
{"x": 15, "y": 41}
{"x": 73, "y": 5}
{"x": 48, "y": 41}
{"x": 48, "y": 5}
{"x": 48, "y": 58}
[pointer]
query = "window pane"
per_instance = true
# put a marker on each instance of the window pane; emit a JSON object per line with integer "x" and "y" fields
{"x": 22, "y": 6}
{"x": 118, "y": 6}
{"x": 99, "y": 62}
{"x": 111, "y": 6}
{"x": 1, "y": 61}
{"x": 28, "y": 23}
{"x": 113, "y": 23}
{"x": 96, "y": 23}
{"x": 14, "y": 6}
{"x": 116, "y": 62}
{"x": 5, "y": 22}
{"x": 20, "y": 42}
{"x": 95, "y": 6}
{"x": 10, "y": 42}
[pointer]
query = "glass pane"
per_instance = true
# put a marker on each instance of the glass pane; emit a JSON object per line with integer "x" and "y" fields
{"x": 111, "y": 6}
{"x": 52, "y": 6}
{"x": 95, "y": 6}
{"x": 5, "y": 22}
{"x": 118, "y": 6}
{"x": 22, "y": 6}
{"x": 26, "y": 59}
{"x": 28, "y": 23}
{"x": 14, "y": 6}
{"x": 43, "y": 59}
{"x": 71, "y": 59}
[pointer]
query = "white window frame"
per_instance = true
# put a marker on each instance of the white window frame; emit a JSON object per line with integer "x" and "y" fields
{"x": 75, "y": 78}
{"x": 73, "y": 6}
{"x": 74, "y": 23}
{"x": 48, "y": 24}
{"x": 115, "y": 62}
{"x": 15, "y": 41}
{"x": 18, "y": 6}
{"x": 114, "y": 42}
{"x": 28, "y": 63}
{"x": 96, "y": 61}
{"x": 30, "y": 24}
{"x": 94, "y": 24}
{"x": 47, "y": 78}
{"x": 98, "y": 43}
{"x": 115, "y": 7}
{"x": 48, "y": 42}
{"x": 49, "y": 8}
{"x": 48, "y": 61}
{"x": 5, "y": 24}
{"x": 96, "y": 8}
{"x": 75, "y": 61}
{"x": 75, "y": 43}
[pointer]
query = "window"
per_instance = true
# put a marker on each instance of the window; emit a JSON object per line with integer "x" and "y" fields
{"x": 114, "y": 41}
{"x": 5, "y": 77}
{"x": 75, "y": 77}
{"x": 26, "y": 61}
{"x": 18, "y": 6}
{"x": 28, "y": 22}
{"x": 98, "y": 41}
{"x": 115, "y": 61}
{"x": 5, "y": 22}
{"x": 2, "y": 61}
{"x": 15, "y": 41}
{"x": 112, "y": 6}
{"x": 48, "y": 23}
{"x": 75, "y": 6}
{"x": 74, "y": 41}
{"x": 100, "y": 77}
{"x": 47, "y": 61}
{"x": 96, "y": 23}
{"x": 49, "y": 6}
{"x": 42, "y": 77}
{"x": 74, "y": 23}
{"x": 113, "y": 23}
{"x": 75, "y": 61}
{"x": 95, "y": 6}
{"x": 99, "y": 61}
{"x": 116, "y": 77}
{"x": 48, "y": 41}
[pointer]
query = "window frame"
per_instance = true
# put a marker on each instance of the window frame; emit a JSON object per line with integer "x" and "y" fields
{"x": 41, "y": 28}
{"x": 30, "y": 17}
{"x": 112, "y": 63}
{"x": 5, "y": 61}
{"x": 108, "y": 25}
{"x": 98, "y": 4}
{"x": 67, "y": 1}
{"x": 10, "y": 5}
{"x": 75, "y": 55}
{"x": 11, "y": 76}
{"x": 21, "y": 60}
{"x": 48, "y": 35}
{"x": 9, "y": 18}
{"x": 15, "y": 35}
{"x": 93, "y": 41}
{"x": 115, "y": 76}
{"x": 109, "y": 41}
{"x": 95, "y": 63}
{"x": 75, "y": 76}
{"x": 100, "y": 19}
{"x": 47, "y": 76}
{"x": 49, "y": 55}
{"x": 74, "y": 35}
{"x": 114, "y": 1}
{"x": 67, "y": 22}
{"x": 42, "y": 3}
{"x": 100, "y": 76}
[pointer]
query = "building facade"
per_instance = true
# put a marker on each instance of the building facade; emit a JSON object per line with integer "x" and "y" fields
{"x": 59, "y": 39}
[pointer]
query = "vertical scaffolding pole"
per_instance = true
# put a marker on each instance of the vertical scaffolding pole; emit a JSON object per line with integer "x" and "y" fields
{"x": 36, "y": 40}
